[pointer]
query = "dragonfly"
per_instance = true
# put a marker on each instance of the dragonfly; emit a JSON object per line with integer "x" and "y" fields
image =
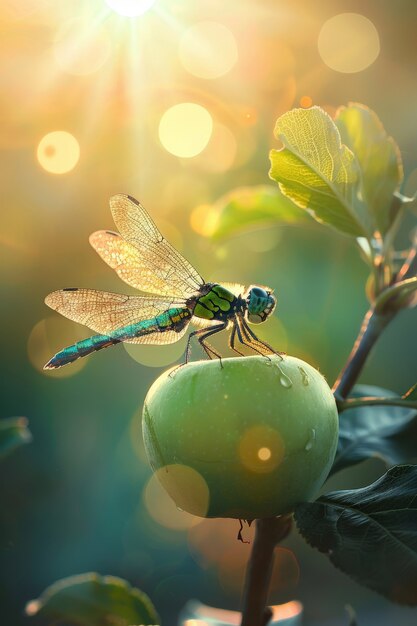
{"x": 176, "y": 295}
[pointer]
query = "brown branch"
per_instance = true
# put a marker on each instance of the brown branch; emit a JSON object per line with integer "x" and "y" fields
{"x": 371, "y": 329}
{"x": 269, "y": 532}
{"x": 353, "y": 403}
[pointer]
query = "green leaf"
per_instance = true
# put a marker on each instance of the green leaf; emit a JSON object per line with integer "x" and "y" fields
{"x": 245, "y": 207}
{"x": 379, "y": 159}
{"x": 93, "y": 600}
{"x": 370, "y": 533}
{"x": 399, "y": 296}
{"x": 386, "y": 432}
{"x": 316, "y": 170}
{"x": 13, "y": 433}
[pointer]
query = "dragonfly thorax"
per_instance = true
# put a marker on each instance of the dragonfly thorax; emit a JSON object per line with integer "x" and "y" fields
{"x": 260, "y": 304}
{"x": 215, "y": 303}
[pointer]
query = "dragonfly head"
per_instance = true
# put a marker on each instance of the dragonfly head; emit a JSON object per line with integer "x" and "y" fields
{"x": 260, "y": 304}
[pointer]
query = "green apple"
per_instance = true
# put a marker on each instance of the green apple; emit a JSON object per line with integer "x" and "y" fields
{"x": 248, "y": 438}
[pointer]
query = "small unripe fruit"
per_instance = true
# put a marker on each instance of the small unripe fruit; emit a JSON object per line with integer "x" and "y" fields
{"x": 247, "y": 440}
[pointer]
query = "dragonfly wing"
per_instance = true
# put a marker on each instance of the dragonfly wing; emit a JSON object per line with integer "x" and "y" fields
{"x": 129, "y": 264}
{"x": 162, "y": 269}
{"x": 106, "y": 312}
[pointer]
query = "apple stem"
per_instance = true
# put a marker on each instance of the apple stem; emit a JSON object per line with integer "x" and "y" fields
{"x": 372, "y": 326}
{"x": 269, "y": 532}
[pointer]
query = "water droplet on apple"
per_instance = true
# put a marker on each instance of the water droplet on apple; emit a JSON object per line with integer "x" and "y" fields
{"x": 311, "y": 440}
{"x": 304, "y": 376}
{"x": 284, "y": 379}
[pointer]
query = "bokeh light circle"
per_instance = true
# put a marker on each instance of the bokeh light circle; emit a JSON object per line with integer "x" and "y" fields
{"x": 58, "y": 152}
{"x": 208, "y": 50}
{"x": 156, "y": 356}
{"x": 261, "y": 449}
{"x": 264, "y": 454}
{"x": 186, "y": 486}
{"x": 204, "y": 219}
{"x": 130, "y": 8}
{"x": 306, "y": 102}
{"x": 185, "y": 129}
{"x": 81, "y": 48}
{"x": 46, "y": 338}
{"x": 162, "y": 508}
{"x": 348, "y": 43}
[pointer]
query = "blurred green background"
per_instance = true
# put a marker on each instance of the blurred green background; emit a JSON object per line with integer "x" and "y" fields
{"x": 81, "y": 497}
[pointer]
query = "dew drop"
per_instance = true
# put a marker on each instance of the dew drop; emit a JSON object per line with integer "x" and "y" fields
{"x": 311, "y": 440}
{"x": 180, "y": 509}
{"x": 283, "y": 379}
{"x": 304, "y": 376}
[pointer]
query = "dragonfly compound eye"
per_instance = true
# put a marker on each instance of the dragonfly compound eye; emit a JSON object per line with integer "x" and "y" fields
{"x": 260, "y": 304}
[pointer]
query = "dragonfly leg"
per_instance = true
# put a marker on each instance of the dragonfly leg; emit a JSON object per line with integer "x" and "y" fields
{"x": 202, "y": 334}
{"x": 232, "y": 340}
{"x": 245, "y": 338}
{"x": 247, "y": 341}
{"x": 211, "y": 353}
{"x": 206, "y": 347}
{"x": 256, "y": 340}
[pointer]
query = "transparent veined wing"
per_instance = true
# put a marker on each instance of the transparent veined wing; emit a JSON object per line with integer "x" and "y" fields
{"x": 160, "y": 268}
{"x": 129, "y": 264}
{"x": 106, "y": 312}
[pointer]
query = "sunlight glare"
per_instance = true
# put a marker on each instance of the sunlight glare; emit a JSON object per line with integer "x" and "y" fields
{"x": 348, "y": 43}
{"x": 185, "y": 129}
{"x": 130, "y": 8}
{"x": 58, "y": 152}
{"x": 80, "y": 48}
{"x": 20, "y": 9}
{"x": 208, "y": 50}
